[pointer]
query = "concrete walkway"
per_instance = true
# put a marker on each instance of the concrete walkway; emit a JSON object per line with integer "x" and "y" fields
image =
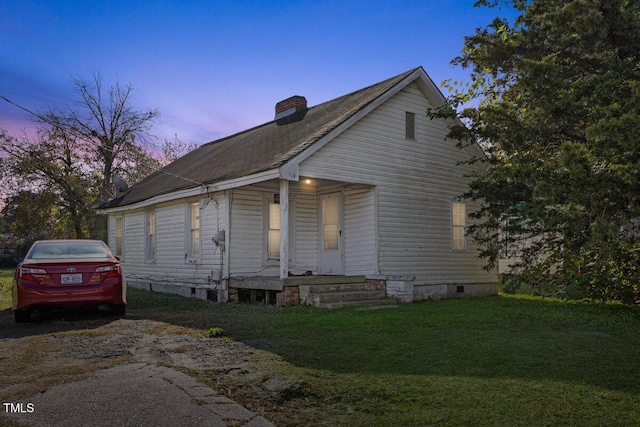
{"x": 139, "y": 395}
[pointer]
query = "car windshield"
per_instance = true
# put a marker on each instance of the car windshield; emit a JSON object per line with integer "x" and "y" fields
{"x": 58, "y": 250}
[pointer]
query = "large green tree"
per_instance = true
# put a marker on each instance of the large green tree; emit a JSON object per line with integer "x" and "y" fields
{"x": 554, "y": 99}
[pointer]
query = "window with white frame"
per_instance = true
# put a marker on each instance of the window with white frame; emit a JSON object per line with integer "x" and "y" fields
{"x": 193, "y": 238}
{"x": 459, "y": 225}
{"x": 150, "y": 241}
{"x": 273, "y": 227}
{"x": 119, "y": 249}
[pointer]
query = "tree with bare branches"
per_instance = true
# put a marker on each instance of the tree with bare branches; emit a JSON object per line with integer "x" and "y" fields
{"x": 78, "y": 151}
{"x": 106, "y": 127}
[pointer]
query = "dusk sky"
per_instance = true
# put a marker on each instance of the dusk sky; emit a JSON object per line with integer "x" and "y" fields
{"x": 214, "y": 68}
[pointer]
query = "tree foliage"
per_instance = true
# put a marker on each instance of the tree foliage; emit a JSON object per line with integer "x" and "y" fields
{"x": 75, "y": 155}
{"x": 112, "y": 135}
{"x": 555, "y": 102}
{"x": 51, "y": 165}
{"x": 29, "y": 214}
{"x": 174, "y": 149}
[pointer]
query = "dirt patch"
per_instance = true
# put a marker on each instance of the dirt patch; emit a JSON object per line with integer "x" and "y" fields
{"x": 48, "y": 354}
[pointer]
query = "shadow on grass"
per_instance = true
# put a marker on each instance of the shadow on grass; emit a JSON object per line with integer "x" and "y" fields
{"x": 489, "y": 338}
{"x": 493, "y": 337}
{"x": 47, "y": 322}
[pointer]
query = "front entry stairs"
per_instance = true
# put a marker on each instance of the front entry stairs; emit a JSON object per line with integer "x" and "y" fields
{"x": 338, "y": 291}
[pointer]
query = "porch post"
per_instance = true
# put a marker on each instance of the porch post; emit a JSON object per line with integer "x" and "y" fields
{"x": 223, "y": 293}
{"x": 284, "y": 228}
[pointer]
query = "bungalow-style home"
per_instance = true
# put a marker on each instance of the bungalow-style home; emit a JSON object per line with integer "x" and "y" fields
{"x": 352, "y": 199}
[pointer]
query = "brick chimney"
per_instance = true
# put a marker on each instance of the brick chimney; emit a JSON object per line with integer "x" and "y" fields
{"x": 290, "y": 105}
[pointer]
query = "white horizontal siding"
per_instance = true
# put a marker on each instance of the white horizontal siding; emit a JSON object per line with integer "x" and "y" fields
{"x": 133, "y": 240}
{"x": 212, "y": 221}
{"x": 171, "y": 266}
{"x": 359, "y": 231}
{"x": 306, "y": 244}
{"x": 246, "y": 236}
{"x": 111, "y": 232}
{"x": 247, "y": 230}
{"x": 170, "y": 238}
{"x": 416, "y": 182}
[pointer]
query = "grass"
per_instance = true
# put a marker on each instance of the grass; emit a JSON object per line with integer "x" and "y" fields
{"x": 503, "y": 360}
{"x": 6, "y": 277}
{"x": 506, "y": 360}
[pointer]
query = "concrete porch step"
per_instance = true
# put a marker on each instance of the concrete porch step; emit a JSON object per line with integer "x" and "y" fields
{"x": 321, "y": 280}
{"x": 338, "y": 294}
{"x": 373, "y": 304}
{"x": 347, "y": 296}
{"x": 328, "y": 292}
{"x": 339, "y": 287}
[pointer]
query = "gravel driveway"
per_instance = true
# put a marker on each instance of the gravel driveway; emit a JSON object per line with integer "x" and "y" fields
{"x": 39, "y": 356}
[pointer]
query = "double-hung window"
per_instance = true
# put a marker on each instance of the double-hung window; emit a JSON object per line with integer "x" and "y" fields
{"x": 193, "y": 237}
{"x": 273, "y": 228}
{"x": 150, "y": 241}
{"x": 459, "y": 225}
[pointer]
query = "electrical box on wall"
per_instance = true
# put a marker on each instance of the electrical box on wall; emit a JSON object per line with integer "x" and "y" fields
{"x": 216, "y": 275}
{"x": 219, "y": 238}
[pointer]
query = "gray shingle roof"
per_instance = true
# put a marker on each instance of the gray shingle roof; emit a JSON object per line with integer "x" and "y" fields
{"x": 259, "y": 149}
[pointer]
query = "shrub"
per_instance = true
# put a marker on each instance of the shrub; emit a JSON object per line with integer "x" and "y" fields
{"x": 214, "y": 332}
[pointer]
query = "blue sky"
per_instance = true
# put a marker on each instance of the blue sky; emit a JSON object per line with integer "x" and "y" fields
{"x": 214, "y": 68}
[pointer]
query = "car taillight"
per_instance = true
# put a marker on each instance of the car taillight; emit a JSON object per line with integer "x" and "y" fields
{"x": 38, "y": 275}
{"x": 105, "y": 272}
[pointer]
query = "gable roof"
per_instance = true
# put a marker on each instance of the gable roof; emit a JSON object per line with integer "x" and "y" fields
{"x": 262, "y": 148}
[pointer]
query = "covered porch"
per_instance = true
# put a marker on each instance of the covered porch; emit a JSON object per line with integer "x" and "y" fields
{"x": 280, "y": 228}
{"x": 285, "y": 236}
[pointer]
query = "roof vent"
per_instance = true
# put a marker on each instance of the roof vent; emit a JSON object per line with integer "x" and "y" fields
{"x": 290, "y": 105}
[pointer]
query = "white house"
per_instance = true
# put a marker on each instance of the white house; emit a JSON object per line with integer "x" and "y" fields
{"x": 363, "y": 188}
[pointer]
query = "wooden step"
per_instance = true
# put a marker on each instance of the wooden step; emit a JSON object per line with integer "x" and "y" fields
{"x": 347, "y": 296}
{"x": 308, "y": 292}
{"x": 383, "y": 303}
{"x": 333, "y": 295}
{"x": 339, "y": 287}
{"x": 321, "y": 280}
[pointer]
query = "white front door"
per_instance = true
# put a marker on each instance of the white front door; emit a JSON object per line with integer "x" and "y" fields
{"x": 330, "y": 259}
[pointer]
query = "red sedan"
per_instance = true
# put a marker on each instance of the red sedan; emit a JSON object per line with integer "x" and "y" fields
{"x": 68, "y": 274}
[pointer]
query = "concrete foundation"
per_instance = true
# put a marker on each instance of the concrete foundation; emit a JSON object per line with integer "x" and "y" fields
{"x": 400, "y": 288}
{"x": 296, "y": 290}
{"x": 205, "y": 292}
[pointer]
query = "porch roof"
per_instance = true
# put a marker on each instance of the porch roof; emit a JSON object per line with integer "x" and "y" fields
{"x": 262, "y": 148}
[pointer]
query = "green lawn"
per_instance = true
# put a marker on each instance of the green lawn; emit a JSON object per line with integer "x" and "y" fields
{"x": 6, "y": 276}
{"x": 496, "y": 361}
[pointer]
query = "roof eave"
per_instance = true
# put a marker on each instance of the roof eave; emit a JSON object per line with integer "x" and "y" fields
{"x": 207, "y": 190}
